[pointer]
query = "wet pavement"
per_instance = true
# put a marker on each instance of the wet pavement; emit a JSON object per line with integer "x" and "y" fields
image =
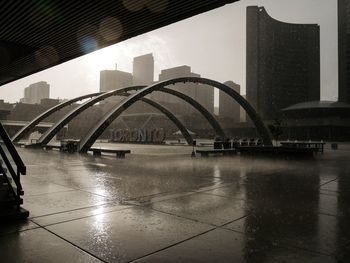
{"x": 160, "y": 205}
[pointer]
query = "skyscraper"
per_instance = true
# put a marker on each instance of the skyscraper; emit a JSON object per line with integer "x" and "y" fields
{"x": 229, "y": 109}
{"x": 143, "y": 70}
{"x": 283, "y": 63}
{"x": 35, "y": 92}
{"x": 344, "y": 50}
{"x": 201, "y": 93}
{"x": 114, "y": 79}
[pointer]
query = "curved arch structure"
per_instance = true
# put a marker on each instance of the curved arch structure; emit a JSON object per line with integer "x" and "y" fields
{"x": 97, "y": 130}
{"x": 172, "y": 117}
{"x": 210, "y": 118}
{"x": 202, "y": 110}
{"x": 49, "y": 134}
{"x": 20, "y": 134}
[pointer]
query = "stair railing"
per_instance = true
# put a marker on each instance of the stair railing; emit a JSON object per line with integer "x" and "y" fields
{"x": 7, "y": 152}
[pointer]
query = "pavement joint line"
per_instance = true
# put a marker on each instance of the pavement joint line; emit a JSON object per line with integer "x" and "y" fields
{"x": 182, "y": 217}
{"x": 155, "y": 195}
{"x": 233, "y": 230}
{"x": 72, "y": 210}
{"x": 328, "y": 190}
{"x": 191, "y": 193}
{"x": 237, "y": 198}
{"x": 218, "y": 187}
{"x": 170, "y": 198}
{"x": 304, "y": 249}
{"x": 329, "y": 193}
{"x": 83, "y": 217}
{"x": 74, "y": 245}
{"x": 174, "y": 244}
{"x": 81, "y": 190}
{"x": 328, "y": 182}
{"x": 23, "y": 230}
{"x": 85, "y": 191}
{"x": 63, "y": 191}
{"x": 326, "y": 214}
{"x": 235, "y": 220}
{"x": 281, "y": 242}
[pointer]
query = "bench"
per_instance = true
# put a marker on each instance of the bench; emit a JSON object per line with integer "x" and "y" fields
{"x": 119, "y": 153}
{"x": 52, "y": 147}
{"x": 316, "y": 146}
{"x": 216, "y": 151}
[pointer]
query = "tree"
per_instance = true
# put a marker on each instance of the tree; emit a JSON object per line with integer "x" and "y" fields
{"x": 276, "y": 129}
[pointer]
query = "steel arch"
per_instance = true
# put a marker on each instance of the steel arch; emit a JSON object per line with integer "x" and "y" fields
{"x": 20, "y": 134}
{"x": 210, "y": 118}
{"x": 202, "y": 110}
{"x": 49, "y": 134}
{"x": 91, "y": 137}
{"x": 172, "y": 117}
{"x": 53, "y": 130}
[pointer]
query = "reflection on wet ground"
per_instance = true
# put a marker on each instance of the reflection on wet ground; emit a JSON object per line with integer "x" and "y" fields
{"x": 168, "y": 207}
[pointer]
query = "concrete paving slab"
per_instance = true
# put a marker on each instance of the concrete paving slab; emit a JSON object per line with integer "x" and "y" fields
{"x": 128, "y": 234}
{"x": 234, "y": 190}
{"x": 293, "y": 211}
{"x": 38, "y": 187}
{"x": 306, "y": 230}
{"x": 225, "y": 246}
{"x": 330, "y": 186}
{"x": 146, "y": 200}
{"x": 16, "y": 226}
{"x": 205, "y": 208}
{"x": 46, "y": 204}
{"x": 77, "y": 214}
{"x": 38, "y": 245}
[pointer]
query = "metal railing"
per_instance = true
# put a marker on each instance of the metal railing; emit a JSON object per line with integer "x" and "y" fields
{"x": 14, "y": 166}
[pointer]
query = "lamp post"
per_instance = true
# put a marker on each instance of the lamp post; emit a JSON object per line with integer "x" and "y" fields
{"x": 193, "y": 145}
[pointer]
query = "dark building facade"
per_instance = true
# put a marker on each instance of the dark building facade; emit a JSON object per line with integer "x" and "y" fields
{"x": 344, "y": 50}
{"x": 283, "y": 63}
{"x": 229, "y": 109}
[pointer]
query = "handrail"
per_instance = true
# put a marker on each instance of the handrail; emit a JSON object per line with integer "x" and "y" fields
{"x": 12, "y": 150}
{"x": 10, "y": 168}
{"x": 16, "y": 195}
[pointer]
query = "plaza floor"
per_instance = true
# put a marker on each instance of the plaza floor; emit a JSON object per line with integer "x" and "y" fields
{"x": 160, "y": 205}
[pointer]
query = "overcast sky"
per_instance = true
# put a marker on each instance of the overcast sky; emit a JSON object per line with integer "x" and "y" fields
{"x": 213, "y": 44}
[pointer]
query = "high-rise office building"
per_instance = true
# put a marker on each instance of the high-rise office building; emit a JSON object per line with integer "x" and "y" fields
{"x": 229, "y": 109}
{"x": 344, "y": 50}
{"x": 283, "y": 63}
{"x": 114, "y": 79}
{"x": 36, "y": 92}
{"x": 143, "y": 70}
{"x": 203, "y": 94}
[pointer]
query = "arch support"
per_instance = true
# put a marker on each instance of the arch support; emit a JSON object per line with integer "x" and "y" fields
{"x": 26, "y": 129}
{"x": 172, "y": 117}
{"x": 97, "y": 130}
{"x": 50, "y": 133}
{"x": 206, "y": 114}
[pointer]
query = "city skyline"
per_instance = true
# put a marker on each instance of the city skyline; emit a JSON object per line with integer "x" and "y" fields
{"x": 227, "y": 61}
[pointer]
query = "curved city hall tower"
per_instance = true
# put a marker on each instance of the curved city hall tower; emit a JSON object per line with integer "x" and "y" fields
{"x": 344, "y": 50}
{"x": 283, "y": 63}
